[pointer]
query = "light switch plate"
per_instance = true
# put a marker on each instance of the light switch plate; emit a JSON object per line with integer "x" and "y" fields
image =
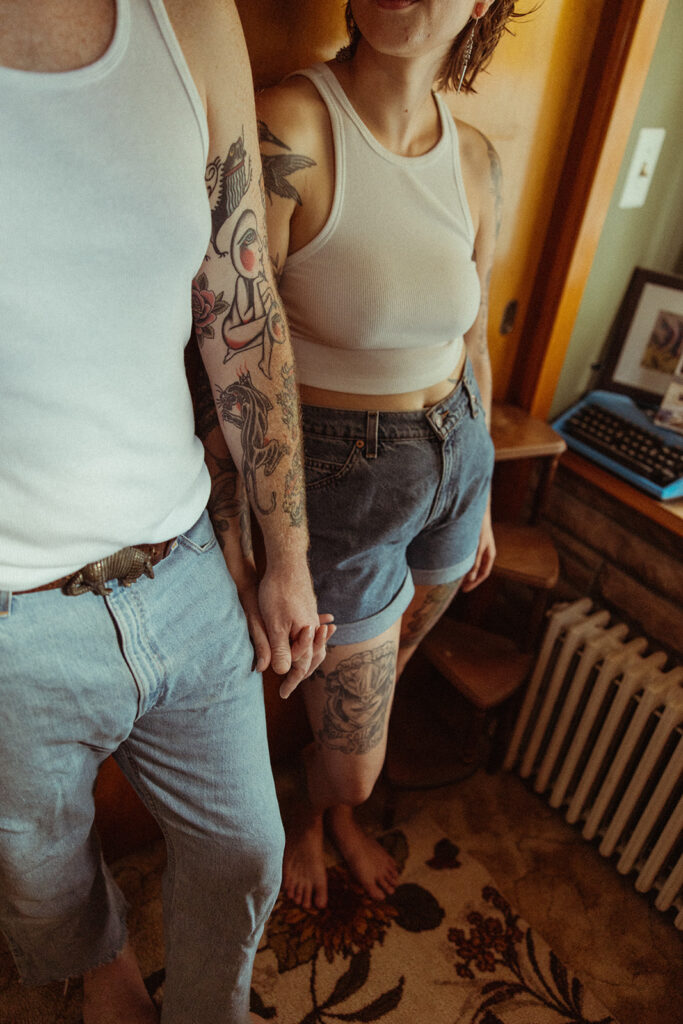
{"x": 643, "y": 163}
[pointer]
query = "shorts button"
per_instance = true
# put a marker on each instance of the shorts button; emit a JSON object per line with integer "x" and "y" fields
{"x": 360, "y": 444}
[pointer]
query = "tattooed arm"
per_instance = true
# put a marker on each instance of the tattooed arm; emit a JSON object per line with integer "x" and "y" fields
{"x": 228, "y": 503}
{"x": 242, "y": 336}
{"x": 481, "y": 167}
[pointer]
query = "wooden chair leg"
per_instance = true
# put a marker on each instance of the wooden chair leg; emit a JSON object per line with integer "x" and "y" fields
{"x": 537, "y": 611}
{"x": 502, "y": 731}
{"x": 390, "y": 802}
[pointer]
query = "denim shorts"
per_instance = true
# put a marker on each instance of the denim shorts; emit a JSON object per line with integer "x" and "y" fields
{"x": 394, "y": 499}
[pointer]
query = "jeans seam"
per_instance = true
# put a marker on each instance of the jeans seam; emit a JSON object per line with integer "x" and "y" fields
{"x": 152, "y": 805}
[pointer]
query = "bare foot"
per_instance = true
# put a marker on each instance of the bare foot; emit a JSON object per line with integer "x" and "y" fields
{"x": 369, "y": 862}
{"x": 115, "y": 993}
{"x": 304, "y": 877}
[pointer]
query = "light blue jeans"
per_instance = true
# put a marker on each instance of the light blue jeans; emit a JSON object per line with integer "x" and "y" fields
{"x": 159, "y": 674}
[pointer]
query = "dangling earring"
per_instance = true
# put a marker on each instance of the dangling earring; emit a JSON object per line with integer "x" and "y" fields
{"x": 467, "y": 54}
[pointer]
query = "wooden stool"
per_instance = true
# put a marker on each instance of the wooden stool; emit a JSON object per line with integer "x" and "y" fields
{"x": 527, "y": 554}
{"x": 426, "y": 749}
{"x": 485, "y": 667}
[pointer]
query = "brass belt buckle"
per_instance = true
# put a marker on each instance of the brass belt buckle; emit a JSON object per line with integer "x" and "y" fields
{"x": 126, "y": 566}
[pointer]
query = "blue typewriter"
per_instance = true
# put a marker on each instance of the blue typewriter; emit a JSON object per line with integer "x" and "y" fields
{"x": 614, "y": 425}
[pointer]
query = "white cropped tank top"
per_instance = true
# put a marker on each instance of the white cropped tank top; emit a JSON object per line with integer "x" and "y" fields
{"x": 379, "y": 301}
{"x": 104, "y": 222}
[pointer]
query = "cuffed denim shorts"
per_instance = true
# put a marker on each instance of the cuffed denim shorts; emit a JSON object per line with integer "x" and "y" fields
{"x": 394, "y": 499}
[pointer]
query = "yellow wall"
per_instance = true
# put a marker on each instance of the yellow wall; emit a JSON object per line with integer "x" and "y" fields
{"x": 283, "y": 35}
{"x": 525, "y": 103}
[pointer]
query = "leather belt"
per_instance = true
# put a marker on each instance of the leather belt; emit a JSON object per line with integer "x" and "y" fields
{"x": 126, "y": 566}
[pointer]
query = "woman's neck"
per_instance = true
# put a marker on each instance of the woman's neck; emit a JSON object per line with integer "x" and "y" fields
{"x": 393, "y": 97}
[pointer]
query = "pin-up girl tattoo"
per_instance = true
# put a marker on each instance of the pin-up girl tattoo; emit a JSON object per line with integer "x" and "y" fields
{"x": 254, "y": 319}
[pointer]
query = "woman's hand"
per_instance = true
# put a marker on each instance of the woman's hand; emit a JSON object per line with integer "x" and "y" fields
{"x": 486, "y": 555}
{"x": 308, "y": 648}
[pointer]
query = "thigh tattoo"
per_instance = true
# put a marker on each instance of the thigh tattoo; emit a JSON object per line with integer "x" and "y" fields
{"x": 358, "y": 692}
{"x": 424, "y": 617}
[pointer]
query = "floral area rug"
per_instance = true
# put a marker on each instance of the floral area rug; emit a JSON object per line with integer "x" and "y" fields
{"x": 446, "y": 948}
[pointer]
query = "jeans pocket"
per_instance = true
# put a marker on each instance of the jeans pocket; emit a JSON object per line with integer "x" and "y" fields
{"x": 327, "y": 459}
{"x": 200, "y": 537}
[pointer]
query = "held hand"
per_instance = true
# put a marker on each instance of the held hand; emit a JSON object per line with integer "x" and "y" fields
{"x": 296, "y": 634}
{"x": 299, "y": 651}
{"x": 257, "y": 631}
{"x": 486, "y": 555}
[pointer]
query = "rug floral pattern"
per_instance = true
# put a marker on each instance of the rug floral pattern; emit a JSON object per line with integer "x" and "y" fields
{"x": 446, "y": 948}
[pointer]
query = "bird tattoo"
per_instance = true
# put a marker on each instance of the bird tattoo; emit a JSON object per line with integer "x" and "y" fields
{"x": 278, "y": 166}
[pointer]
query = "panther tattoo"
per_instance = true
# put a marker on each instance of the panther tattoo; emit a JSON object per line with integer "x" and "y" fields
{"x": 247, "y": 408}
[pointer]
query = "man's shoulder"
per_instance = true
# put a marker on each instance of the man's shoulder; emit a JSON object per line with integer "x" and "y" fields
{"x": 194, "y": 20}
{"x": 210, "y": 35}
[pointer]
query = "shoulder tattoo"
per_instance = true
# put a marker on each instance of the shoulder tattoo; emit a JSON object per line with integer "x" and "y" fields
{"x": 277, "y": 167}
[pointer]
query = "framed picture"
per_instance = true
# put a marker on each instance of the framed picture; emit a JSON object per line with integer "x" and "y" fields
{"x": 646, "y": 342}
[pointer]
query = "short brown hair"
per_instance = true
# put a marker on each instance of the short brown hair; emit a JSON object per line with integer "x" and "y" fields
{"x": 486, "y": 32}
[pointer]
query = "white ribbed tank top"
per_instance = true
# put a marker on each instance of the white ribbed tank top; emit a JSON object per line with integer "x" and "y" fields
{"x": 104, "y": 220}
{"x": 379, "y": 300}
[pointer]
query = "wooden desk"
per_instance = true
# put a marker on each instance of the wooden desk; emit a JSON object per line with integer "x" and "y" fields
{"x": 518, "y": 435}
{"x": 666, "y": 513}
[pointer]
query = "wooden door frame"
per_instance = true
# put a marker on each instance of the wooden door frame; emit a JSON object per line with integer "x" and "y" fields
{"x": 623, "y": 49}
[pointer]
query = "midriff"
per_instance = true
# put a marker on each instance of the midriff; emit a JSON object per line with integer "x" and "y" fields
{"x": 406, "y": 401}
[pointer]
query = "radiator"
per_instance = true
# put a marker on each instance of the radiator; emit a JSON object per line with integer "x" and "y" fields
{"x": 600, "y": 734}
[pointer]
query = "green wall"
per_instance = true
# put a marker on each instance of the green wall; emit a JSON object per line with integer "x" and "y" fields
{"x": 651, "y": 236}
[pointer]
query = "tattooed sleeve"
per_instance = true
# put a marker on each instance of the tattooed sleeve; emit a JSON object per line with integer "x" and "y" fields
{"x": 241, "y": 330}
{"x": 227, "y": 501}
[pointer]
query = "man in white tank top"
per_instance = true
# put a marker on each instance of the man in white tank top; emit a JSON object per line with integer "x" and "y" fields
{"x": 121, "y": 631}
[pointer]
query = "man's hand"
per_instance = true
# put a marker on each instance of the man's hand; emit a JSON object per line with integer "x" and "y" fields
{"x": 486, "y": 556}
{"x": 287, "y": 631}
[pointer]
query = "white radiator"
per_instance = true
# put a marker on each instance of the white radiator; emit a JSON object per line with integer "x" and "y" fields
{"x": 600, "y": 732}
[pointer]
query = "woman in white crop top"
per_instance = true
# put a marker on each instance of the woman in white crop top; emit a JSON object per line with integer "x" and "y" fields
{"x": 382, "y": 218}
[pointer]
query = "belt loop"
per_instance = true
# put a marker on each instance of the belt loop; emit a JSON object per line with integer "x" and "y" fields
{"x": 5, "y": 603}
{"x": 471, "y": 394}
{"x": 371, "y": 434}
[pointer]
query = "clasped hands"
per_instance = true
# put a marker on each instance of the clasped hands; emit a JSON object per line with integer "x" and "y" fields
{"x": 286, "y": 630}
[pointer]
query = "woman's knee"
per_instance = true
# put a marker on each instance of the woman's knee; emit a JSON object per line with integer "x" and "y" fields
{"x": 354, "y": 787}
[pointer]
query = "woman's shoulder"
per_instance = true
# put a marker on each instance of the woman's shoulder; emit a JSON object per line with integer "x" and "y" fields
{"x": 477, "y": 153}
{"x": 293, "y": 108}
{"x": 482, "y": 175}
